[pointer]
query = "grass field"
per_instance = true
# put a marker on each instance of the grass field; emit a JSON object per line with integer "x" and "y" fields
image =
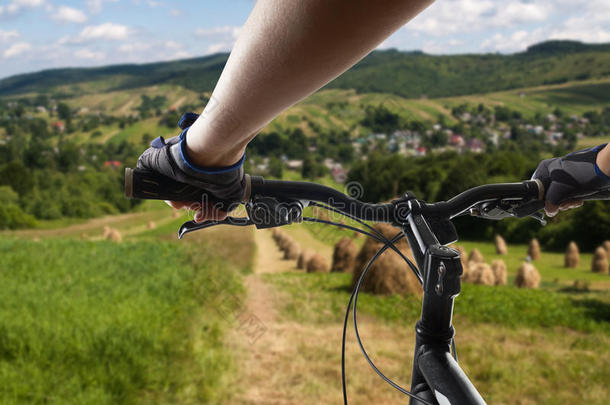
{"x": 518, "y": 346}
{"x": 93, "y": 322}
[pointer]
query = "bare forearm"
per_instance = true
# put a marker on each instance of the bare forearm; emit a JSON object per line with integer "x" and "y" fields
{"x": 286, "y": 50}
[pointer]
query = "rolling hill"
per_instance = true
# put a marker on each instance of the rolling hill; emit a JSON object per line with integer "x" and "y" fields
{"x": 407, "y": 74}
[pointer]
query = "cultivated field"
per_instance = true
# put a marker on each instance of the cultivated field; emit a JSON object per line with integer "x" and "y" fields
{"x": 220, "y": 317}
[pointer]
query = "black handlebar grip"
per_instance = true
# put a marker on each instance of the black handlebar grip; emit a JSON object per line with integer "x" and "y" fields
{"x": 147, "y": 185}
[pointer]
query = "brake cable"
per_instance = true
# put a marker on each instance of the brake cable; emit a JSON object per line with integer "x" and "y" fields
{"x": 352, "y": 302}
{"x": 383, "y": 239}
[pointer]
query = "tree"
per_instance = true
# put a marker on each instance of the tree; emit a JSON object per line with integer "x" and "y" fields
{"x": 276, "y": 167}
{"x": 64, "y": 112}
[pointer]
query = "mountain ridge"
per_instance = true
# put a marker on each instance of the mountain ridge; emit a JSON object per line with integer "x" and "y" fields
{"x": 411, "y": 74}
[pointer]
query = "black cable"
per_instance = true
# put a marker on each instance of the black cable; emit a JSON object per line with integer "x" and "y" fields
{"x": 350, "y": 216}
{"x": 325, "y": 222}
{"x": 354, "y": 298}
{"x": 384, "y": 240}
{"x": 362, "y": 349}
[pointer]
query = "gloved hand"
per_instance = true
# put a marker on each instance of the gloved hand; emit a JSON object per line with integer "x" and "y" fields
{"x": 565, "y": 179}
{"x": 225, "y": 185}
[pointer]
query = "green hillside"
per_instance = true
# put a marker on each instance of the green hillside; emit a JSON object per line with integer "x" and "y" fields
{"x": 408, "y": 74}
{"x": 325, "y": 111}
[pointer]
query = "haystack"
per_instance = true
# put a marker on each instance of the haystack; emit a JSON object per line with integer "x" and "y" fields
{"x": 501, "y": 248}
{"x": 317, "y": 264}
{"x": 499, "y": 269}
{"x": 606, "y": 245}
{"x": 275, "y": 232}
{"x": 527, "y": 276}
{"x": 344, "y": 255}
{"x": 572, "y": 257}
{"x": 533, "y": 251}
{"x": 176, "y": 214}
{"x": 304, "y": 257}
{"x": 284, "y": 241}
{"x": 112, "y": 234}
{"x": 389, "y": 274}
{"x": 476, "y": 256}
{"x": 481, "y": 273}
{"x": 600, "y": 261}
{"x": 151, "y": 225}
{"x": 292, "y": 251}
{"x": 106, "y": 232}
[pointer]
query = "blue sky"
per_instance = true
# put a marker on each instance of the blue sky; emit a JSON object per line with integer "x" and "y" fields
{"x": 42, "y": 34}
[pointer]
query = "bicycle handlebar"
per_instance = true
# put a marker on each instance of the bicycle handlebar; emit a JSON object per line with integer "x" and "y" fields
{"x": 144, "y": 184}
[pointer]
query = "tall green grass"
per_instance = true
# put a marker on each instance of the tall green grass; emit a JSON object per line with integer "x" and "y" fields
{"x": 104, "y": 323}
{"x": 322, "y": 297}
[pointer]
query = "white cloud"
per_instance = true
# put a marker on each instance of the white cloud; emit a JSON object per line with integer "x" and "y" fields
{"x": 173, "y": 45}
{"x": 89, "y": 54}
{"x": 517, "y": 41}
{"x": 95, "y": 6}
{"x": 6, "y": 36}
{"x": 174, "y": 12}
{"x": 16, "y": 5}
{"x": 147, "y": 51}
{"x": 446, "y": 17}
{"x": 216, "y": 32}
{"x": 69, "y": 14}
{"x": 17, "y": 49}
{"x": 583, "y": 28}
{"x": 515, "y": 12}
{"x": 223, "y": 37}
{"x": 106, "y": 31}
{"x": 219, "y": 47}
{"x": 463, "y": 16}
{"x": 182, "y": 55}
{"x": 29, "y": 3}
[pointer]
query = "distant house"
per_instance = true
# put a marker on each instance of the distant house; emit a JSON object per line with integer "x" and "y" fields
{"x": 339, "y": 173}
{"x": 112, "y": 163}
{"x": 421, "y": 151}
{"x": 475, "y": 145}
{"x": 329, "y": 163}
{"x": 59, "y": 126}
{"x": 457, "y": 140}
{"x": 465, "y": 117}
{"x": 294, "y": 164}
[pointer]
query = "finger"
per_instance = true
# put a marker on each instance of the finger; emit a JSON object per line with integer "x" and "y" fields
{"x": 209, "y": 213}
{"x": 571, "y": 204}
{"x": 184, "y": 205}
{"x": 551, "y": 209}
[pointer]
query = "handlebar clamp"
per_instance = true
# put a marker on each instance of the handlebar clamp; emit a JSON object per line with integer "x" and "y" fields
{"x": 268, "y": 212}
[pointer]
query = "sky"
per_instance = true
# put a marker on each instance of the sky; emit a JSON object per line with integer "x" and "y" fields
{"x": 42, "y": 34}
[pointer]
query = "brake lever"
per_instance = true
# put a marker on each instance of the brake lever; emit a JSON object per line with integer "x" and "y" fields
{"x": 500, "y": 209}
{"x": 192, "y": 226}
{"x": 538, "y": 216}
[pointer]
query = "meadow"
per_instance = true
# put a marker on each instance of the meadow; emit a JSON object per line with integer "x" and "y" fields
{"x": 96, "y": 322}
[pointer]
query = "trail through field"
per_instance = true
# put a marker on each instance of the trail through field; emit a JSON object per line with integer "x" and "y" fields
{"x": 284, "y": 362}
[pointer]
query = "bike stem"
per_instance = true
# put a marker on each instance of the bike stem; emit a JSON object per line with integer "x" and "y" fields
{"x": 436, "y": 376}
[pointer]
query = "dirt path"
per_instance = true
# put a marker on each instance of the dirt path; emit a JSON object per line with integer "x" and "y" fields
{"x": 283, "y": 362}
